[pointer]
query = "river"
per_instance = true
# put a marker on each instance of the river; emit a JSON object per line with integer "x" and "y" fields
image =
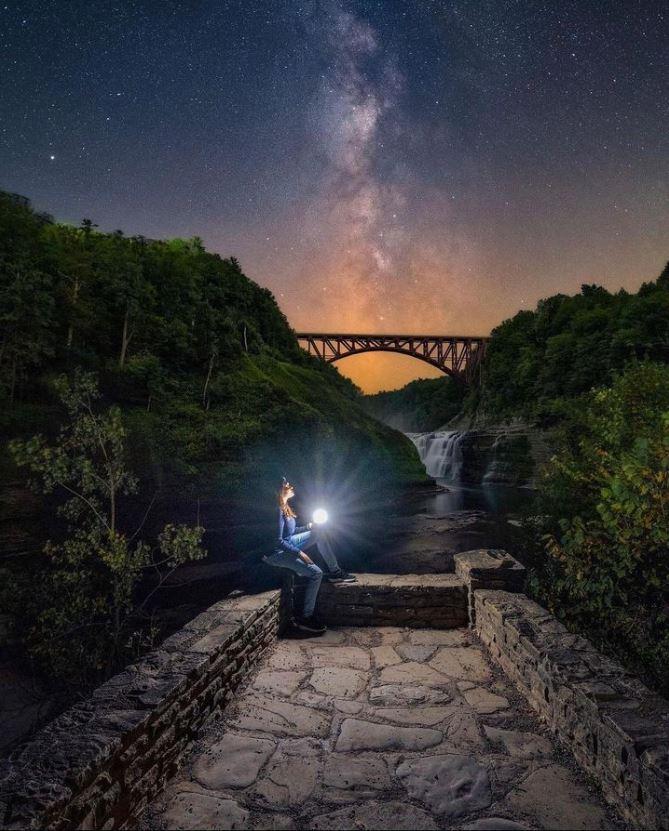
{"x": 497, "y": 500}
{"x": 422, "y": 534}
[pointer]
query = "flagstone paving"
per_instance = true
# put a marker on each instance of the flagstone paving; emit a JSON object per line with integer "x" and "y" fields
{"x": 379, "y": 728}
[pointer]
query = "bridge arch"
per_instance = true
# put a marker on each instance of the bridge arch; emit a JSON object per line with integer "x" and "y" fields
{"x": 430, "y": 361}
{"x": 457, "y": 356}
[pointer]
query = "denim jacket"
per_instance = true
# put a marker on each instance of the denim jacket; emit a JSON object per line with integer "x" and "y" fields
{"x": 286, "y": 530}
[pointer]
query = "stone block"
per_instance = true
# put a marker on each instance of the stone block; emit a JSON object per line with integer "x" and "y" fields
{"x": 200, "y": 810}
{"x": 555, "y": 800}
{"x": 340, "y": 682}
{"x": 233, "y": 762}
{"x": 356, "y": 734}
{"x": 374, "y": 815}
{"x": 451, "y": 786}
{"x": 417, "y": 600}
{"x": 280, "y": 718}
{"x": 488, "y": 568}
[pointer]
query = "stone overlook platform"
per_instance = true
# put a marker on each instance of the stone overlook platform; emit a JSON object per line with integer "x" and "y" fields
{"x": 378, "y": 728}
{"x": 434, "y": 701}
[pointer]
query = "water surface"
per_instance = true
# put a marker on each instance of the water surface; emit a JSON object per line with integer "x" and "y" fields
{"x": 500, "y": 500}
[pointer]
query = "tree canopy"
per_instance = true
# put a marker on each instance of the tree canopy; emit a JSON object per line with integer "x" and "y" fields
{"x": 568, "y": 345}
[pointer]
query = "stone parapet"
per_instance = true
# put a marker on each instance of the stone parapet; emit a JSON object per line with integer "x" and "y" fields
{"x": 101, "y": 762}
{"x": 488, "y": 568}
{"x": 617, "y": 729}
{"x": 437, "y": 601}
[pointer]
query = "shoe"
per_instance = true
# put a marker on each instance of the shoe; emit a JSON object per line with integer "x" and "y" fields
{"x": 309, "y": 624}
{"x": 340, "y": 576}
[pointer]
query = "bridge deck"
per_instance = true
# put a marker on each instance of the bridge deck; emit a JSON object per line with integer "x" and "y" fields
{"x": 343, "y": 335}
{"x": 378, "y": 728}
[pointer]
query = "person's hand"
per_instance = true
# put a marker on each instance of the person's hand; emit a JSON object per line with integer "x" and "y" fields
{"x": 307, "y": 559}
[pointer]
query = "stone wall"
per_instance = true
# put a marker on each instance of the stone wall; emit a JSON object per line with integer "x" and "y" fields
{"x": 617, "y": 729}
{"x": 488, "y": 568}
{"x": 102, "y": 761}
{"x": 437, "y": 601}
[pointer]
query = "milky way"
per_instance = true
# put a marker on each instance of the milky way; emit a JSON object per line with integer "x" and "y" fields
{"x": 380, "y": 166}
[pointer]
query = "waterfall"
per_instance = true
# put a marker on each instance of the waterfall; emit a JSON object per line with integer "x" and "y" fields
{"x": 441, "y": 453}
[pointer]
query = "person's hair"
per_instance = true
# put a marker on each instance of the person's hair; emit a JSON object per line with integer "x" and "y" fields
{"x": 283, "y": 502}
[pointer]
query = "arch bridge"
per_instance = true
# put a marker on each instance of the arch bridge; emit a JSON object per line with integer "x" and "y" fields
{"x": 455, "y": 355}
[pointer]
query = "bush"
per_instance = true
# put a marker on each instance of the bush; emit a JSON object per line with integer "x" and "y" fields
{"x": 607, "y": 566}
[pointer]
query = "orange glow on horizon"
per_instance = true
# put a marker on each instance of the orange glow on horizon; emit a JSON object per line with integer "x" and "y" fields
{"x": 379, "y": 371}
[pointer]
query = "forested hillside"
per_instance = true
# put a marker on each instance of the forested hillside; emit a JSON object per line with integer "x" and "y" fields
{"x": 539, "y": 359}
{"x": 162, "y": 368}
{"x": 568, "y": 345}
{"x": 593, "y": 368}
{"x": 202, "y": 358}
{"x": 424, "y": 404}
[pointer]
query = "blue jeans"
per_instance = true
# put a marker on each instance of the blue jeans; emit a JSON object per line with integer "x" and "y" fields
{"x": 314, "y": 575}
{"x": 317, "y": 536}
{"x": 287, "y": 559}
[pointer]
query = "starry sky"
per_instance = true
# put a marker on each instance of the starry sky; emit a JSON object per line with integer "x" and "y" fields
{"x": 381, "y": 165}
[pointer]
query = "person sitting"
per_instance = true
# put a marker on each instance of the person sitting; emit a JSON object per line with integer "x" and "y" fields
{"x": 291, "y": 540}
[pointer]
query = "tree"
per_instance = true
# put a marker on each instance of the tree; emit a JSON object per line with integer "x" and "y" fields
{"x": 26, "y": 321}
{"x": 88, "y": 593}
{"x": 69, "y": 254}
{"x": 27, "y": 307}
{"x": 131, "y": 295}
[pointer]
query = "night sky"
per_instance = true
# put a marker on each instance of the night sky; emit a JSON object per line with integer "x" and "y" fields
{"x": 394, "y": 166}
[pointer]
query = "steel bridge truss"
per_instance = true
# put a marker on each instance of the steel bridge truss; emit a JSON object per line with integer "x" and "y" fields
{"x": 459, "y": 357}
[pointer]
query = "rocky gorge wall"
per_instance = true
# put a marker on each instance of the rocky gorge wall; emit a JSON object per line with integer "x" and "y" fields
{"x": 500, "y": 456}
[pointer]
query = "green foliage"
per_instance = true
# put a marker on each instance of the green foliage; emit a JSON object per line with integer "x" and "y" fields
{"x": 539, "y": 359}
{"x": 204, "y": 397}
{"x": 569, "y": 345}
{"x": 172, "y": 330}
{"x": 76, "y": 296}
{"x": 425, "y": 404}
{"x": 606, "y": 569}
{"x": 78, "y": 615}
{"x": 199, "y": 358}
{"x": 592, "y": 368}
